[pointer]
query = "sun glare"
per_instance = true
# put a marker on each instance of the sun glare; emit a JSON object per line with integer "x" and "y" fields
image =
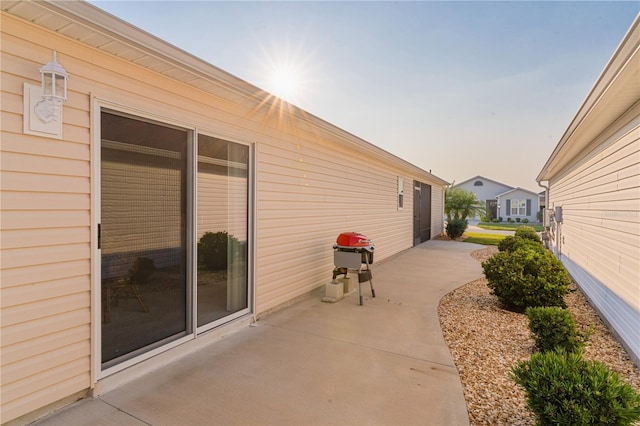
{"x": 285, "y": 71}
{"x": 284, "y": 83}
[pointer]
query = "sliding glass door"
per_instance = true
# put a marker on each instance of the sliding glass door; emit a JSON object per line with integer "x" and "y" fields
{"x": 173, "y": 234}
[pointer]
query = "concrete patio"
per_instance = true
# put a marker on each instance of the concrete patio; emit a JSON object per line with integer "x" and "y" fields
{"x": 315, "y": 363}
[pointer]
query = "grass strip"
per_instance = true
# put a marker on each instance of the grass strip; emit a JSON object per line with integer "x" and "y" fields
{"x": 508, "y": 226}
{"x": 485, "y": 239}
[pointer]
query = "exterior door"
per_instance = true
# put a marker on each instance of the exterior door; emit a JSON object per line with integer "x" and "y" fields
{"x": 421, "y": 213}
{"x": 492, "y": 209}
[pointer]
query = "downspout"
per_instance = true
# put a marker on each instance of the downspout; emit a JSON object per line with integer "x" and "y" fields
{"x": 545, "y": 220}
{"x": 546, "y": 203}
{"x": 444, "y": 200}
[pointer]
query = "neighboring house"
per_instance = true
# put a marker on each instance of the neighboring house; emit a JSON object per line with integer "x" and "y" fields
{"x": 518, "y": 204}
{"x": 502, "y": 200}
{"x": 104, "y": 205}
{"x": 593, "y": 180}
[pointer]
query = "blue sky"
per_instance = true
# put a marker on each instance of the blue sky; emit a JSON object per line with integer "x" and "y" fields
{"x": 458, "y": 88}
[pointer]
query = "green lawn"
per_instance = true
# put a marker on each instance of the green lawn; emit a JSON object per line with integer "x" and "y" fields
{"x": 506, "y": 226}
{"x": 486, "y": 239}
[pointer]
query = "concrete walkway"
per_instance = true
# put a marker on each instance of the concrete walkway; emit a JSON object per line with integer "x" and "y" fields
{"x": 314, "y": 363}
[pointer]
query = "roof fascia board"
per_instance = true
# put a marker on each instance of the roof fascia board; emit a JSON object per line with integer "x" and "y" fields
{"x": 518, "y": 189}
{"x": 485, "y": 178}
{"x": 116, "y": 28}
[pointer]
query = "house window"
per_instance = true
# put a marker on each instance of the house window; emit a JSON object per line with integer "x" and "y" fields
{"x": 478, "y": 183}
{"x": 518, "y": 207}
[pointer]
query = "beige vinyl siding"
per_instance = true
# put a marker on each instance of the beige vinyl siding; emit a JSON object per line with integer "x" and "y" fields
{"x": 309, "y": 193}
{"x": 593, "y": 175}
{"x": 599, "y": 239}
{"x": 312, "y": 183}
{"x": 437, "y": 210}
{"x": 601, "y": 228}
{"x": 45, "y": 222}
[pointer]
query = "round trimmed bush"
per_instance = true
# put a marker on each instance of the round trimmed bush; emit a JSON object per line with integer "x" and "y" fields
{"x": 512, "y": 243}
{"x": 527, "y": 277}
{"x": 456, "y": 227}
{"x": 564, "y": 389}
{"x": 527, "y": 232}
{"x": 553, "y": 327}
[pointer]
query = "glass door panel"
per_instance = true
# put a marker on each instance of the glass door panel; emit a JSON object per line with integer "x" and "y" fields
{"x": 222, "y": 228}
{"x": 143, "y": 236}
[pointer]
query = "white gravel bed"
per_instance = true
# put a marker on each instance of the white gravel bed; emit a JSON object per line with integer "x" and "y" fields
{"x": 486, "y": 341}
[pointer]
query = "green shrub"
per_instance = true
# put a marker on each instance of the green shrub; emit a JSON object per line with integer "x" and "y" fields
{"x": 500, "y": 219}
{"x": 528, "y": 232}
{"x": 510, "y": 220}
{"x": 525, "y": 220}
{"x": 213, "y": 249}
{"x": 553, "y": 327}
{"x": 527, "y": 277}
{"x": 495, "y": 220}
{"x": 564, "y": 389}
{"x": 456, "y": 227}
{"x": 518, "y": 219}
{"x": 512, "y": 243}
{"x": 539, "y": 215}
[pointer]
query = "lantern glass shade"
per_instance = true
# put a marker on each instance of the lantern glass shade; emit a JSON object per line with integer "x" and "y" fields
{"x": 54, "y": 81}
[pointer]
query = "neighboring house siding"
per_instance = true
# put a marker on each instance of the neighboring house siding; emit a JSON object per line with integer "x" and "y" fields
{"x": 487, "y": 191}
{"x": 599, "y": 238}
{"x": 508, "y": 200}
{"x": 45, "y": 222}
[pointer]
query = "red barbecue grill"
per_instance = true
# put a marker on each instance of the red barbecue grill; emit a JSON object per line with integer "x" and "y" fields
{"x": 351, "y": 251}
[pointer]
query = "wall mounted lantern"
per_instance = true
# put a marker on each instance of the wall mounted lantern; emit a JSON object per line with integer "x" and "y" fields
{"x": 54, "y": 91}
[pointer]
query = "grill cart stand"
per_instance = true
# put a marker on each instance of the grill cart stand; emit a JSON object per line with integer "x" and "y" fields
{"x": 354, "y": 251}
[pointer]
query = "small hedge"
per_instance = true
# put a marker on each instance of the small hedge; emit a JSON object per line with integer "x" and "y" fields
{"x": 512, "y": 243}
{"x": 456, "y": 227}
{"x": 528, "y": 233}
{"x": 553, "y": 327}
{"x": 527, "y": 277}
{"x": 564, "y": 389}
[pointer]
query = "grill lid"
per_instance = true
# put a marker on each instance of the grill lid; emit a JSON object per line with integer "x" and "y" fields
{"x": 353, "y": 239}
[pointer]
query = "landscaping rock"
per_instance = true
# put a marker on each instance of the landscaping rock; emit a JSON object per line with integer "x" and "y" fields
{"x": 486, "y": 342}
